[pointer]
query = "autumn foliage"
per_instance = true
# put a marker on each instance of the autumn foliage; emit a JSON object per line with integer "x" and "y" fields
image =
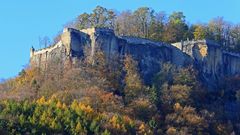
{"x": 108, "y": 96}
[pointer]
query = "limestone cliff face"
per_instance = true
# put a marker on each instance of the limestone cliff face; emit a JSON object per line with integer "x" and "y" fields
{"x": 213, "y": 63}
{"x": 210, "y": 60}
{"x": 69, "y": 48}
{"x": 150, "y": 55}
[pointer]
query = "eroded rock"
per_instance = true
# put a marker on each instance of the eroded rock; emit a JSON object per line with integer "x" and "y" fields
{"x": 210, "y": 60}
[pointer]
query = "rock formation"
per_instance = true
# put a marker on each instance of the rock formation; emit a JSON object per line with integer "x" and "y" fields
{"x": 150, "y": 55}
{"x": 211, "y": 61}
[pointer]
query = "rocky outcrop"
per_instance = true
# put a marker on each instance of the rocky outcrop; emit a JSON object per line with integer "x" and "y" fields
{"x": 150, "y": 55}
{"x": 213, "y": 63}
{"x": 68, "y": 48}
{"x": 210, "y": 60}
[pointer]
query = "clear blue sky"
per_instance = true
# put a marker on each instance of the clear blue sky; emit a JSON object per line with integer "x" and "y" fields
{"x": 22, "y": 22}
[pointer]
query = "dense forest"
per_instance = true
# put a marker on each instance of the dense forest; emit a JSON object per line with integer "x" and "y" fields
{"x": 144, "y": 22}
{"x": 99, "y": 98}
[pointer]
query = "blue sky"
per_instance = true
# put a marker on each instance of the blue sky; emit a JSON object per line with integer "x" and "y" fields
{"x": 22, "y": 22}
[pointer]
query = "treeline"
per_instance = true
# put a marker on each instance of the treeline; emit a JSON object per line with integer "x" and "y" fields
{"x": 146, "y": 23}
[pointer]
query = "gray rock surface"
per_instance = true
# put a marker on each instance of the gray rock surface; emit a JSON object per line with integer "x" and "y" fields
{"x": 212, "y": 62}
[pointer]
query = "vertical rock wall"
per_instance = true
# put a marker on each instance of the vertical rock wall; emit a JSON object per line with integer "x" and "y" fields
{"x": 210, "y": 60}
{"x": 150, "y": 55}
{"x": 213, "y": 63}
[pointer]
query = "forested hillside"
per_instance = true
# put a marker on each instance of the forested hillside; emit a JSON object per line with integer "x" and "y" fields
{"x": 94, "y": 96}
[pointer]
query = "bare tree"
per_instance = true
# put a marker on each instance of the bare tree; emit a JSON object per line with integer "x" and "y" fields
{"x": 44, "y": 41}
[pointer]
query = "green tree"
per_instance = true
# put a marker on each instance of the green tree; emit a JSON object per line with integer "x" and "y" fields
{"x": 99, "y": 17}
{"x": 176, "y": 29}
{"x": 235, "y": 36}
{"x": 156, "y": 27}
{"x": 216, "y": 29}
{"x": 83, "y": 21}
{"x": 111, "y": 18}
{"x": 199, "y": 32}
{"x": 143, "y": 17}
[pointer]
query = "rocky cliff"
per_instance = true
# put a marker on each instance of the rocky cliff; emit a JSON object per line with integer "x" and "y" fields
{"x": 212, "y": 62}
{"x": 150, "y": 55}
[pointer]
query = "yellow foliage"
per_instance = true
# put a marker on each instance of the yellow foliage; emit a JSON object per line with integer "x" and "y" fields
{"x": 44, "y": 119}
{"x": 203, "y": 51}
{"x": 128, "y": 120}
{"x": 54, "y": 96}
{"x": 74, "y": 104}
{"x": 64, "y": 106}
{"x": 81, "y": 118}
{"x": 115, "y": 122}
{"x": 49, "y": 101}
{"x": 41, "y": 101}
{"x": 85, "y": 108}
{"x": 141, "y": 128}
{"x": 171, "y": 131}
{"x": 114, "y": 119}
{"x": 177, "y": 107}
{"x": 199, "y": 33}
{"x": 30, "y": 73}
{"x": 78, "y": 128}
{"x": 53, "y": 99}
{"x": 59, "y": 104}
